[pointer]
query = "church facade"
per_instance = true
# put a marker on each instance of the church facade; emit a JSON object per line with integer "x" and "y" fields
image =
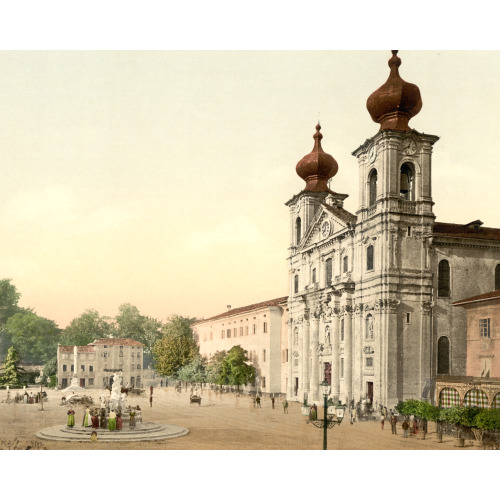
{"x": 370, "y": 293}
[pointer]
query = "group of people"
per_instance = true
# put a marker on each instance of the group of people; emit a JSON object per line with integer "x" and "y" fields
{"x": 410, "y": 425}
{"x": 97, "y": 418}
{"x": 27, "y": 398}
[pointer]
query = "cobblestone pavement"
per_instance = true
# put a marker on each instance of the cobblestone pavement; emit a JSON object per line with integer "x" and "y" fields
{"x": 222, "y": 422}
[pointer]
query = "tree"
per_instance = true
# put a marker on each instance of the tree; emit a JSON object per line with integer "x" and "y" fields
{"x": 12, "y": 373}
{"x": 34, "y": 337}
{"x": 235, "y": 369}
{"x": 177, "y": 346}
{"x": 214, "y": 366}
{"x": 50, "y": 370}
{"x": 9, "y": 296}
{"x": 132, "y": 324}
{"x": 194, "y": 371}
{"x": 86, "y": 328}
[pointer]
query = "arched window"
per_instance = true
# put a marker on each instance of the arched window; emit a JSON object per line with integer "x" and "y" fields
{"x": 314, "y": 275}
{"x": 298, "y": 229}
{"x": 497, "y": 277}
{"x": 345, "y": 264}
{"x": 328, "y": 272}
{"x": 444, "y": 279}
{"x": 369, "y": 258}
{"x": 443, "y": 367}
{"x": 296, "y": 283}
{"x": 406, "y": 184}
{"x": 372, "y": 198}
{"x": 369, "y": 335}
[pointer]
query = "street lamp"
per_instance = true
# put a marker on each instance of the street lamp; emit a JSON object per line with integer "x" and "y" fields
{"x": 39, "y": 380}
{"x": 328, "y": 417}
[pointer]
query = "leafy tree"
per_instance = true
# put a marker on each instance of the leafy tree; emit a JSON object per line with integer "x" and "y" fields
{"x": 12, "y": 373}
{"x": 235, "y": 369}
{"x": 34, "y": 337}
{"x": 177, "y": 346}
{"x": 214, "y": 366}
{"x": 194, "y": 371}
{"x": 86, "y": 328}
{"x": 133, "y": 325}
{"x": 9, "y": 296}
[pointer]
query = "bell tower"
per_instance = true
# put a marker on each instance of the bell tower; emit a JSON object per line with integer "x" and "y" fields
{"x": 393, "y": 233}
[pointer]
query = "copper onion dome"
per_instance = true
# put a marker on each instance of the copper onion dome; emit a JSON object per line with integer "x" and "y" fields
{"x": 317, "y": 167}
{"x": 393, "y": 104}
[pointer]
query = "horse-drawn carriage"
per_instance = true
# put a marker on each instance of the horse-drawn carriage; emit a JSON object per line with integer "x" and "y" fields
{"x": 81, "y": 399}
{"x": 194, "y": 398}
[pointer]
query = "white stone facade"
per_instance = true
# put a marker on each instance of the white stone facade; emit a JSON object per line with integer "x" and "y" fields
{"x": 365, "y": 308}
{"x": 261, "y": 330}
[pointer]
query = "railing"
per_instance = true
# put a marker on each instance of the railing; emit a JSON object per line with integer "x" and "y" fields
{"x": 408, "y": 207}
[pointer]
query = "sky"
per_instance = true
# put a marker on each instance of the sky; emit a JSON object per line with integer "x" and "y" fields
{"x": 159, "y": 178}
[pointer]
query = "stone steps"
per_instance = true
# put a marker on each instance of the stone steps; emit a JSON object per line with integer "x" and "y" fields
{"x": 147, "y": 431}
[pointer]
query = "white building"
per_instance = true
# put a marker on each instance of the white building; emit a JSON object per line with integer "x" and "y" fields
{"x": 370, "y": 294}
{"x": 261, "y": 330}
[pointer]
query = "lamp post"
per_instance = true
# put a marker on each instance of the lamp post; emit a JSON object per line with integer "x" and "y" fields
{"x": 39, "y": 380}
{"x": 328, "y": 422}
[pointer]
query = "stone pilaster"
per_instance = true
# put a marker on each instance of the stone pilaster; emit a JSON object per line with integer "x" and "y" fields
{"x": 314, "y": 354}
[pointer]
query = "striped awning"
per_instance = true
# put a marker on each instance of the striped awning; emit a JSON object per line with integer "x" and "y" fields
{"x": 449, "y": 397}
{"x": 477, "y": 398}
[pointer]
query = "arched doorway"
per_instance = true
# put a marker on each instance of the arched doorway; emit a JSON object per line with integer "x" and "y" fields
{"x": 443, "y": 356}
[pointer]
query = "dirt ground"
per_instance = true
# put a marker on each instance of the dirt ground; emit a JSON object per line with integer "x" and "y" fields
{"x": 222, "y": 422}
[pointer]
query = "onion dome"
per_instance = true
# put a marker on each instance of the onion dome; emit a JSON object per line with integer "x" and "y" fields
{"x": 317, "y": 167}
{"x": 393, "y": 104}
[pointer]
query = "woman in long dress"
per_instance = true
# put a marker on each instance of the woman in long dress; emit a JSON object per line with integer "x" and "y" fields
{"x": 95, "y": 420}
{"x": 103, "y": 419}
{"x": 112, "y": 421}
{"x": 119, "y": 422}
{"x": 71, "y": 417}
{"x": 87, "y": 422}
{"x": 132, "y": 418}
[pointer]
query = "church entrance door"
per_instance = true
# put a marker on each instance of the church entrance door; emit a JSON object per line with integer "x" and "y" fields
{"x": 369, "y": 392}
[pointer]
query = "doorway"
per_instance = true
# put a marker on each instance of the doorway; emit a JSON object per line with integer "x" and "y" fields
{"x": 296, "y": 389}
{"x": 82, "y": 382}
{"x": 369, "y": 392}
{"x": 328, "y": 373}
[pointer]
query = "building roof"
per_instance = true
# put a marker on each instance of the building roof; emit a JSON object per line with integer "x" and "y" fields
{"x": 466, "y": 231}
{"x": 479, "y": 298}
{"x": 79, "y": 348}
{"x": 341, "y": 213}
{"x": 246, "y": 309}
{"x": 113, "y": 341}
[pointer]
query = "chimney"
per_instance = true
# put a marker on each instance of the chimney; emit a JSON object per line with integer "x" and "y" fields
{"x": 229, "y": 307}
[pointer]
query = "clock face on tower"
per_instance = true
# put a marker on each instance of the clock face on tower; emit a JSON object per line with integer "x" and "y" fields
{"x": 325, "y": 229}
{"x": 372, "y": 154}
{"x": 409, "y": 146}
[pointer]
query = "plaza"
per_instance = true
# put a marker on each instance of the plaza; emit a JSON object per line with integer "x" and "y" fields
{"x": 221, "y": 422}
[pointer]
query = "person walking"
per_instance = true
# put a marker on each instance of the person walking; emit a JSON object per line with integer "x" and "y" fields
{"x": 382, "y": 420}
{"x": 415, "y": 427}
{"x": 257, "y": 400}
{"x": 285, "y": 406}
{"x": 405, "y": 426}
{"x": 394, "y": 421}
{"x": 272, "y": 401}
{"x": 151, "y": 401}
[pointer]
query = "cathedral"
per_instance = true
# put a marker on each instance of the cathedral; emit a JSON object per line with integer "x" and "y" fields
{"x": 370, "y": 293}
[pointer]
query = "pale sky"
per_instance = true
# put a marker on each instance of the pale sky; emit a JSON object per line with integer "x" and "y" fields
{"x": 159, "y": 178}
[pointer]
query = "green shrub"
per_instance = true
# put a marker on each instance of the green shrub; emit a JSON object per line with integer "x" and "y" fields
{"x": 487, "y": 420}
